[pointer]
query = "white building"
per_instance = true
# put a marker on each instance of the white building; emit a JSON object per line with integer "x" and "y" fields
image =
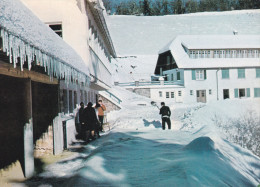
{"x": 209, "y": 68}
{"x": 81, "y": 23}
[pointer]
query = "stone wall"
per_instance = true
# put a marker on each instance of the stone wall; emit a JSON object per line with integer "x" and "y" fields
{"x": 141, "y": 91}
{"x": 109, "y": 105}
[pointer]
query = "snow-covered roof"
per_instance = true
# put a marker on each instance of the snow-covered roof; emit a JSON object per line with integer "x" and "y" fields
{"x": 212, "y": 42}
{"x": 24, "y": 34}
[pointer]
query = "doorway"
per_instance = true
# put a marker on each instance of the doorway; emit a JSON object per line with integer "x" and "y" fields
{"x": 201, "y": 96}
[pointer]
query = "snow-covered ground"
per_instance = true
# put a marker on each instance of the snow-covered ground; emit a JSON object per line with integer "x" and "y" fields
{"x": 137, "y": 152}
{"x": 204, "y": 146}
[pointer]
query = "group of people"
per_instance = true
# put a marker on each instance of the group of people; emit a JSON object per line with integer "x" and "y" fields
{"x": 89, "y": 124}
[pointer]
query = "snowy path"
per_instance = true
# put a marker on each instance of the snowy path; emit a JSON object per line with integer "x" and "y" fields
{"x": 138, "y": 153}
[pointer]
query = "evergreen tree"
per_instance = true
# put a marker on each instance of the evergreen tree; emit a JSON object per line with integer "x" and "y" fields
{"x": 146, "y": 8}
{"x": 165, "y": 6}
{"x": 157, "y": 7}
{"x": 178, "y": 7}
{"x": 191, "y": 6}
{"x": 108, "y": 5}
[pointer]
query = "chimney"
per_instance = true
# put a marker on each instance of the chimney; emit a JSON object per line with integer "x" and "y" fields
{"x": 235, "y": 32}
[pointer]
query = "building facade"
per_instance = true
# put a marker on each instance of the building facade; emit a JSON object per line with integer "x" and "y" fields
{"x": 209, "y": 68}
{"x": 81, "y": 24}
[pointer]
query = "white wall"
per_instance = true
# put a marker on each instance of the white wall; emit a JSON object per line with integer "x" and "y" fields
{"x": 155, "y": 93}
{"x": 74, "y": 17}
{"x": 214, "y": 78}
{"x": 74, "y": 23}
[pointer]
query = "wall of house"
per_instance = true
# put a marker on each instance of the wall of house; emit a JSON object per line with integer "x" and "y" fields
{"x": 208, "y": 84}
{"x": 217, "y": 84}
{"x": 68, "y": 13}
{"x": 213, "y": 85}
{"x": 74, "y": 16}
{"x": 176, "y": 97}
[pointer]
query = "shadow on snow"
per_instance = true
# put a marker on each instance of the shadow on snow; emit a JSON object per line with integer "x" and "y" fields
{"x": 123, "y": 159}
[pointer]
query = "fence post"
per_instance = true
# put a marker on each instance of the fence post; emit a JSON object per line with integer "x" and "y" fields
{"x": 64, "y": 135}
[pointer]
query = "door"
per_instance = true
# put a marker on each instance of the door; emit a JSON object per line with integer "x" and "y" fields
{"x": 226, "y": 93}
{"x": 201, "y": 96}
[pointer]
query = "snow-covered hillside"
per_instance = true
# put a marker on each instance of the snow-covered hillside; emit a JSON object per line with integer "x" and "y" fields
{"x": 137, "y": 39}
{"x": 135, "y": 35}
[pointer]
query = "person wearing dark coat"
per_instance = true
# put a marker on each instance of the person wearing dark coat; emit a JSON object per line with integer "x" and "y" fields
{"x": 166, "y": 114}
{"x": 81, "y": 125}
{"x": 91, "y": 121}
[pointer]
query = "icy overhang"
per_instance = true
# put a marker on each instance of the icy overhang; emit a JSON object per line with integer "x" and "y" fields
{"x": 24, "y": 35}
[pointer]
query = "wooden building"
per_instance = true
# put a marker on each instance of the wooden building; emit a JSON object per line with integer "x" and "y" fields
{"x": 33, "y": 63}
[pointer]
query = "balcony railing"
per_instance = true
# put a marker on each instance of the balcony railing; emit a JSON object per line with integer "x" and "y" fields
{"x": 149, "y": 83}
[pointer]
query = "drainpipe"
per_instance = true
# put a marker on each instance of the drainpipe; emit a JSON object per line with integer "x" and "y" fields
{"x": 217, "y": 82}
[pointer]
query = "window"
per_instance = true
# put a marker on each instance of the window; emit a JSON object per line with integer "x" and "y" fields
{"x": 241, "y": 73}
{"x": 172, "y": 77}
{"x": 167, "y": 95}
{"x": 178, "y": 76}
{"x": 179, "y": 93}
{"x": 172, "y": 94}
{"x": 244, "y": 53}
{"x": 256, "y": 53}
{"x": 249, "y": 54}
{"x": 257, "y": 72}
{"x": 191, "y": 92}
{"x": 197, "y": 54}
{"x": 199, "y": 74}
{"x": 233, "y": 53}
{"x": 239, "y": 53}
{"x": 204, "y": 54}
{"x": 168, "y": 60}
{"x": 240, "y": 92}
{"x": 160, "y": 94}
{"x": 208, "y": 56}
{"x": 200, "y": 54}
{"x": 192, "y": 54}
{"x": 228, "y": 54}
{"x": 257, "y": 92}
{"x": 210, "y": 92}
{"x": 226, "y": 94}
{"x": 215, "y": 54}
{"x": 57, "y": 28}
{"x": 225, "y": 73}
{"x": 221, "y": 54}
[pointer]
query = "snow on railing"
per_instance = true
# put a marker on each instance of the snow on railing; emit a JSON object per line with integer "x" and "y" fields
{"x": 149, "y": 83}
{"x": 15, "y": 47}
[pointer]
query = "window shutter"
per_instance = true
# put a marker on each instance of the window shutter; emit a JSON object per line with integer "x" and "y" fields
{"x": 193, "y": 74}
{"x": 248, "y": 92}
{"x": 205, "y": 74}
{"x": 236, "y": 93}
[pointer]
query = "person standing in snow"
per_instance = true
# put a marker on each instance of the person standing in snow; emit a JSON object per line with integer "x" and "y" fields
{"x": 101, "y": 108}
{"x": 81, "y": 119}
{"x": 166, "y": 114}
{"x": 91, "y": 121}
